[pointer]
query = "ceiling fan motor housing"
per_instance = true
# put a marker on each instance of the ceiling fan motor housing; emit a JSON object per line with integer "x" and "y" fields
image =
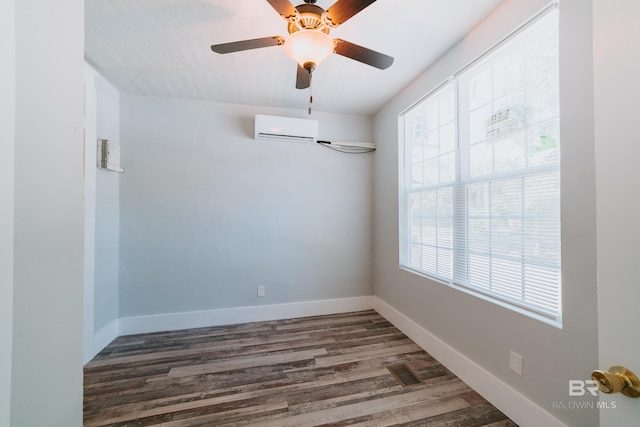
{"x": 309, "y": 17}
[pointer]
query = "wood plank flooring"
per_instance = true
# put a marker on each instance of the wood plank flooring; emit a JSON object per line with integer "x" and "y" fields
{"x": 312, "y": 371}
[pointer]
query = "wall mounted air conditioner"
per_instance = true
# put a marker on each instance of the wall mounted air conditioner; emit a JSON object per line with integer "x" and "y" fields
{"x": 285, "y": 129}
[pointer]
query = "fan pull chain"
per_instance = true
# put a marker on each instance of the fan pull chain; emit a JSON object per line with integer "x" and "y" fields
{"x": 310, "y": 93}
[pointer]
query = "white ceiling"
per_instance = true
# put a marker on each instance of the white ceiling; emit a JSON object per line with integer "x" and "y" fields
{"x": 162, "y": 48}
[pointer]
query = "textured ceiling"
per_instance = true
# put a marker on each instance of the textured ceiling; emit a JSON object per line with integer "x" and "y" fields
{"x": 162, "y": 48}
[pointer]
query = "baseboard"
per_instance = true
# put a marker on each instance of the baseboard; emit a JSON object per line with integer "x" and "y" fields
{"x": 515, "y": 405}
{"x": 230, "y": 316}
{"x": 101, "y": 339}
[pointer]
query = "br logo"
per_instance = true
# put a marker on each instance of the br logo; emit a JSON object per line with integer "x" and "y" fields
{"x": 582, "y": 387}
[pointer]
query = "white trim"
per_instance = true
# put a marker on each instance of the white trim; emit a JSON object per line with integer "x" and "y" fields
{"x": 230, "y": 316}
{"x": 515, "y": 405}
{"x": 100, "y": 340}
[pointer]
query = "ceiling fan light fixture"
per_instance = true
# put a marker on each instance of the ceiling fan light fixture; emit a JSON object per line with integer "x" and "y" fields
{"x": 308, "y": 46}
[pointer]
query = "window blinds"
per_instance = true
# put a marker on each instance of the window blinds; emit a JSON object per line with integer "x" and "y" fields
{"x": 480, "y": 199}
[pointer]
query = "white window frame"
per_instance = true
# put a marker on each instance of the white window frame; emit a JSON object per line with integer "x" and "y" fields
{"x": 446, "y": 274}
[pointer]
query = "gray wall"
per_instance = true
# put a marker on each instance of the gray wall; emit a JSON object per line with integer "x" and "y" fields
{"x": 7, "y": 147}
{"x": 107, "y": 211}
{"x": 46, "y": 388}
{"x": 482, "y": 331}
{"x": 207, "y": 213}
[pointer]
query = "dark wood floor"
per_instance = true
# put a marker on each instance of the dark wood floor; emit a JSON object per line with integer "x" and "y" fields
{"x": 313, "y": 371}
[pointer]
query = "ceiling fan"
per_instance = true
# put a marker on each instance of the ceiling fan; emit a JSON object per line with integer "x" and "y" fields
{"x": 309, "y": 42}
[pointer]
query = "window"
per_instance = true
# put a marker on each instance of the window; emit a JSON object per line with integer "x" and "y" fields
{"x": 480, "y": 176}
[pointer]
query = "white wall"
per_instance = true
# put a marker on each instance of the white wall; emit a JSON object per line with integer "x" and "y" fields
{"x": 7, "y": 147}
{"x": 91, "y": 347}
{"x": 208, "y": 213}
{"x": 107, "y": 211}
{"x": 46, "y": 387}
{"x": 617, "y": 66}
{"x": 102, "y": 216}
{"x": 479, "y": 330}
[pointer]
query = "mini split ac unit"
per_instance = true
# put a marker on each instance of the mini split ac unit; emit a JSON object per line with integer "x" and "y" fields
{"x": 285, "y": 129}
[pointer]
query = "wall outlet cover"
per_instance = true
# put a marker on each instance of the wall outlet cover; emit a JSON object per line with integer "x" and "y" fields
{"x": 515, "y": 362}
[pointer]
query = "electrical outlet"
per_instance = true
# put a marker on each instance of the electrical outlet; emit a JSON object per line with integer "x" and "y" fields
{"x": 515, "y": 363}
{"x": 260, "y": 291}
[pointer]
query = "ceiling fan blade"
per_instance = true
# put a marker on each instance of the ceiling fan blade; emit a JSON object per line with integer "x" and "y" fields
{"x": 247, "y": 44}
{"x": 283, "y": 7}
{"x": 303, "y": 78}
{"x": 342, "y": 10}
{"x": 362, "y": 54}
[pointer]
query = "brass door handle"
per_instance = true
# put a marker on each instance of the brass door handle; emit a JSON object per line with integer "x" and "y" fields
{"x": 617, "y": 380}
